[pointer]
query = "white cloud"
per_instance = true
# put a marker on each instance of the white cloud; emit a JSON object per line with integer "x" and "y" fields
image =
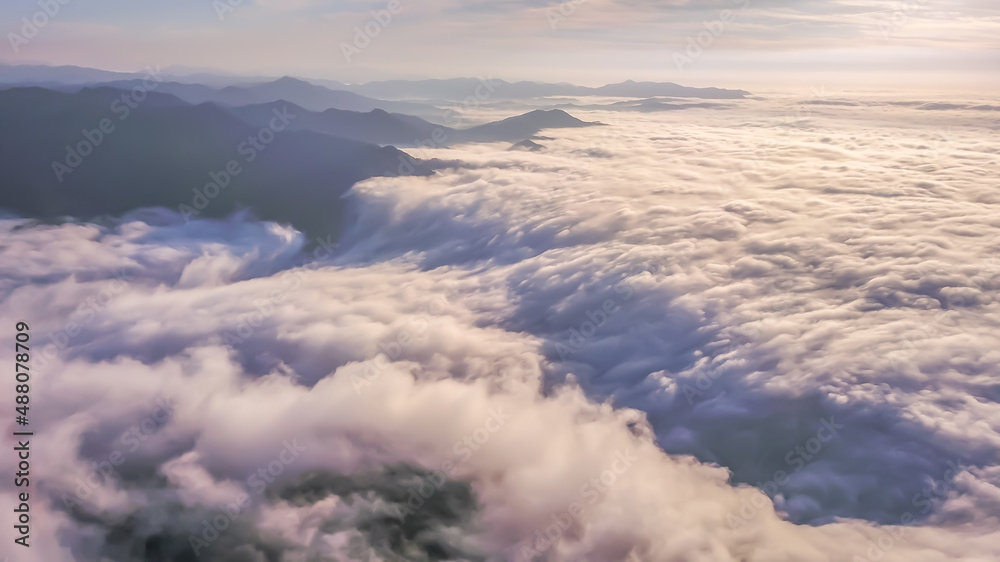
{"x": 784, "y": 265}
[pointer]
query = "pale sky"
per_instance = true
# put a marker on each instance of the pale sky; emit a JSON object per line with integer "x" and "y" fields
{"x": 938, "y": 43}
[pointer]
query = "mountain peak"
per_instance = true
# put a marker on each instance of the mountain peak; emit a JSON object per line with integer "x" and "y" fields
{"x": 290, "y": 81}
{"x": 547, "y": 113}
{"x": 527, "y": 145}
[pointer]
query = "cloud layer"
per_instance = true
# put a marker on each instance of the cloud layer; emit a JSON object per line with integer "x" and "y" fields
{"x": 591, "y": 352}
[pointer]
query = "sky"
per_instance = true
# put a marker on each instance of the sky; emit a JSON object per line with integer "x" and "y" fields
{"x": 727, "y": 43}
{"x": 770, "y": 326}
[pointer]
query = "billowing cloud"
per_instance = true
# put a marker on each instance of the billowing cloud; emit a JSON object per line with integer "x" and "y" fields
{"x": 591, "y": 352}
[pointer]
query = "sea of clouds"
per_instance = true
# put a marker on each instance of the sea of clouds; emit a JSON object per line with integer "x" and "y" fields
{"x": 763, "y": 332}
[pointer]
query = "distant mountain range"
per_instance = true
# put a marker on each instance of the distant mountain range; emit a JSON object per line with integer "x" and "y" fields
{"x": 380, "y": 127}
{"x": 36, "y": 74}
{"x": 299, "y": 92}
{"x": 455, "y": 89}
{"x": 287, "y": 149}
{"x": 57, "y": 160}
{"x": 376, "y": 126}
{"x": 650, "y": 105}
{"x": 521, "y": 126}
{"x": 460, "y": 88}
{"x": 87, "y": 153}
{"x": 64, "y": 75}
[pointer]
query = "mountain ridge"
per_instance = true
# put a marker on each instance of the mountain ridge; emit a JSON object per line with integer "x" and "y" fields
{"x": 75, "y": 154}
{"x": 389, "y": 90}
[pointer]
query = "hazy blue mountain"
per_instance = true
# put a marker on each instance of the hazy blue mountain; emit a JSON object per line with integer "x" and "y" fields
{"x": 376, "y": 126}
{"x": 522, "y": 126}
{"x": 527, "y": 145}
{"x": 190, "y": 93}
{"x": 450, "y": 89}
{"x": 631, "y": 89}
{"x": 332, "y": 84}
{"x": 159, "y": 153}
{"x": 315, "y": 94}
{"x": 653, "y": 105}
{"x": 37, "y": 74}
{"x": 381, "y": 127}
{"x": 309, "y": 96}
{"x": 460, "y": 88}
{"x": 301, "y": 93}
